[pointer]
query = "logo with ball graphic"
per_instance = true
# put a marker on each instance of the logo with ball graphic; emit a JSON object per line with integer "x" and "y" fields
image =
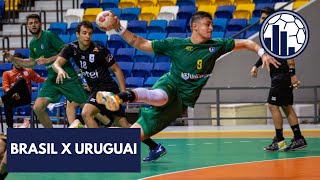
{"x": 284, "y": 34}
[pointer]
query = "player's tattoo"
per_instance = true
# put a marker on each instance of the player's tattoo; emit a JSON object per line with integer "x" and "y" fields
{"x": 134, "y": 39}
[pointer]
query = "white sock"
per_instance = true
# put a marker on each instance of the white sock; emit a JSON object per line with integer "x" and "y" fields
{"x": 155, "y": 97}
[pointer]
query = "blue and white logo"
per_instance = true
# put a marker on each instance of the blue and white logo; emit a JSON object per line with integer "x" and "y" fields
{"x": 284, "y": 34}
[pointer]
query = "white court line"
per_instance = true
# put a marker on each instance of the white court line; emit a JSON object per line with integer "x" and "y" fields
{"x": 172, "y": 145}
{"x": 190, "y": 144}
{"x": 245, "y": 141}
{"x": 208, "y": 143}
{"x": 227, "y": 142}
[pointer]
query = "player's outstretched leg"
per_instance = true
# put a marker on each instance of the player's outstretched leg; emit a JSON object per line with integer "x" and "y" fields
{"x": 110, "y": 100}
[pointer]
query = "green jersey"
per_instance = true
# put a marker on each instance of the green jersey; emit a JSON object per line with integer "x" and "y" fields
{"x": 48, "y": 45}
{"x": 191, "y": 64}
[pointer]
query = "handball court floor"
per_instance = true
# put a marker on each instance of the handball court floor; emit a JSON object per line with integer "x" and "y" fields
{"x": 222, "y": 153}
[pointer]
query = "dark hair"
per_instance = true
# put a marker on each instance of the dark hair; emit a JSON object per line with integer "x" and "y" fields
{"x": 18, "y": 55}
{"x": 199, "y": 15}
{"x": 34, "y": 16}
{"x": 267, "y": 10}
{"x": 86, "y": 24}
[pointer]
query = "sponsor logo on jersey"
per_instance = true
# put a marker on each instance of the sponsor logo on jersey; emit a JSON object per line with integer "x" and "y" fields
{"x": 273, "y": 98}
{"x": 83, "y": 57}
{"x": 42, "y": 46}
{"x": 189, "y": 48}
{"x": 187, "y": 76}
{"x": 212, "y": 49}
{"x": 91, "y": 58}
{"x": 91, "y": 75}
{"x": 93, "y": 100}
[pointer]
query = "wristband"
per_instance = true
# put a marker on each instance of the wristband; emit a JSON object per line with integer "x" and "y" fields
{"x": 292, "y": 71}
{"x": 121, "y": 30}
{"x": 261, "y": 52}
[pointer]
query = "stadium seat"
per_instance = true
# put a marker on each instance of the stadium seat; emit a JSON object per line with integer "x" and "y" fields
{"x": 65, "y": 38}
{"x": 209, "y": 9}
{"x": 41, "y": 70}
{"x": 142, "y": 56}
{"x": 185, "y": 12}
{"x": 116, "y": 41}
{"x": 186, "y": 3}
{"x": 217, "y": 35}
{"x": 150, "y": 81}
{"x": 134, "y": 82}
{"x": 249, "y": 34}
{"x": 160, "y": 68}
{"x": 161, "y": 58}
{"x": 25, "y": 52}
{"x": 126, "y": 68}
{"x": 130, "y": 14}
{"x": 257, "y": 11}
{"x": 125, "y": 54}
{"x": 96, "y": 29}
{"x": 116, "y": 11}
{"x": 141, "y": 69}
{"x": 243, "y": 11}
{"x": 156, "y": 36}
{"x": 127, "y": 3}
{"x": 180, "y": 35}
{"x": 147, "y": 3}
{"x": 167, "y": 3}
{"x": 73, "y": 37}
{"x": 223, "y": 2}
{"x": 300, "y": 3}
{"x": 243, "y": 2}
{"x": 5, "y": 67}
{"x": 72, "y": 28}
{"x": 73, "y": 15}
{"x": 137, "y": 26}
{"x": 149, "y": 13}
{"x": 157, "y": 26}
{"x": 106, "y": 4}
{"x": 281, "y": 4}
{"x": 236, "y": 24}
{"x": 257, "y": 26}
{"x": 177, "y": 26}
{"x": 168, "y": 12}
{"x": 232, "y": 33}
{"x": 112, "y": 50}
{"x": 58, "y": 27}
{"x": 90, "y": 14}
{"x": 204, "y": 2}
{"x": 2, "y": 7}
{"x": 100, "y": 39}
{"x": 219, "y": 24}
{"x": 14, "y": 5}
{"x": 225, "y": 11}
{"x": 261, "y": 1}
{"x": 90, "y": 4}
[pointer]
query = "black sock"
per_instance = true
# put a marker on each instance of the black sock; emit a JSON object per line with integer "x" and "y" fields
{"x": 149, "y": 142}
{"x": 296, "y": 131}
{"x": 127, "y": 96}
{"x": 279, "y": 134}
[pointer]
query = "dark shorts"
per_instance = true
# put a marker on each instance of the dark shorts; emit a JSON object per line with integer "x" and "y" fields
{"x": 280, "y": 93}
{"x": 110, "y": 114}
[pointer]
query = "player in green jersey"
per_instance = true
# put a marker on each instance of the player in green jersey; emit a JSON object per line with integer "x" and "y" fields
{"x": 192, "y": 62}
{"x": 44, "y": 49}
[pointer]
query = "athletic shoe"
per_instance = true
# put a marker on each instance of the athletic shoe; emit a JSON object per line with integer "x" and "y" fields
{"x": 110, "y": 100}
{"x": 155, "y": 153}
{"x": 276, "y": 145}
{"x": 297, "y": 144}
{"x": 26, "y": 123}
{"x": 76, "y": 124}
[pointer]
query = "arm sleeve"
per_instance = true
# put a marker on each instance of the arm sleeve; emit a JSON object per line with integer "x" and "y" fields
{"x": 36, "y": 77}
{"x": 163, "y": 47}
{"x": 5, "y": 81}
{"x": 67, "y": 52}
{"x": 258, "y": 63}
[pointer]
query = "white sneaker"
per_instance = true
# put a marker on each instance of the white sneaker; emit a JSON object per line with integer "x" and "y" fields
{"x": 25, "y": 124}
{"x": 76, "y": 124}
{"x": 110, "y": 100}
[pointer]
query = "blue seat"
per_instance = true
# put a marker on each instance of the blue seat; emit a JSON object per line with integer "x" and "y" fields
{"x": 96, "y": 30}
{"x": 112, "y": 50}
{"x": 116, "y": 41}
{"x": 65, "y": 38}
{"x": 262, "y": 1}
{"x": 106, "y": 4}
{"x": 141, "y": 69}
{"x": 219, "y": 24}
{"x": 161, "y": 58}
{"x": 255, "y": 27}
{"x": 130, "y": 14}
{"x": 232, "y": 33}
{"x": 160, "y": 68}
{"x": 236, "y": 24}
{"x": 133, "y": 82}
{"x": 58, "y": 27}
{"x": 150, "y": 81}
{"x": 100, "y": 39}
{"x": 41, "y": 70}
{"x": 116, "y": 10}
{"x": 126, "y": 68}
{"x": 2, "y": 8}
{"x": 90, "y": 4}
{"x": 249, "y": 33}
{"x": 177, "y": 26}
{"x": 137, "y": 26}
{"x": 24, "y": 52}
{"x": 217, "y": 35}
{"x": 180, "y": 35}
{"x": 73, "y": 37}
{"x": 125, "y": 54}
{"x": 157, "y": 26}
{"x": 5, "y": 67}
{"x": 257, "y": 11}
{"x": 225, "y": 11}
{"x": 72, "y": 28}
{"x": 186, "y": 3}
{"x": 185, "y": 12}
{"x": 156, "y": 36}
{"x": 142, "y": 56}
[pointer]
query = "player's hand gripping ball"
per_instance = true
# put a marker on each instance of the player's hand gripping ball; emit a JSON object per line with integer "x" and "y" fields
{"x": 105, "y": 21}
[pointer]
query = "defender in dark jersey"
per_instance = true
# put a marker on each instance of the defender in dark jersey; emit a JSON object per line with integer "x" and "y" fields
{"x": 192, "y": 61}
{"x": 283, "y": 80}
{"x": 94, "y": 61}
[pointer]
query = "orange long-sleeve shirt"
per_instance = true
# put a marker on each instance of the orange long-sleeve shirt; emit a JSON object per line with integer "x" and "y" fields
{"x": 10, "y": 77}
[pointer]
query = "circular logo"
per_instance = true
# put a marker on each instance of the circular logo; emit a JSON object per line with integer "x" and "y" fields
{"x": 284, "y": 34}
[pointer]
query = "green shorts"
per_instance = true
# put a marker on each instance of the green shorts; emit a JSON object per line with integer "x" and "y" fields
{"x": 72, "y": 90}
{"x": 155, "y": 119}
